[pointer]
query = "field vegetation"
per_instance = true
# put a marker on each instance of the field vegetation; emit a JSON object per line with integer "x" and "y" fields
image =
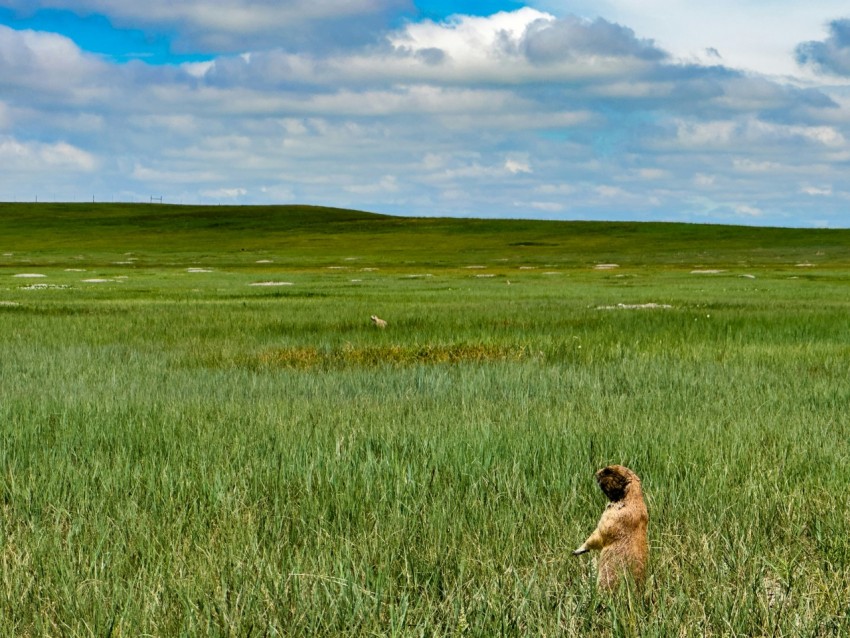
{"x": 204, "y": 434}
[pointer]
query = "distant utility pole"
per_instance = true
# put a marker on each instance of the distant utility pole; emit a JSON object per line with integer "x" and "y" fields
{"x": 156, "y": 199}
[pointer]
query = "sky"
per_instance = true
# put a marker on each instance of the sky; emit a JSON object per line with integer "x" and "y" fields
{"x": 732, "y": 112}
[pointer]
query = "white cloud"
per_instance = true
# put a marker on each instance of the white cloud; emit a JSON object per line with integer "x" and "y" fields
{"x": 166, "y": 176}
{"x": 515, "y": 166}
{"x": 183, "y": 123}
{"x": 748, "y": 165}
{"x": 224, "y": 193}
{"x": 748, "y": 210}
{"x": 45, "y": 64}
{"x": 610, "y": 191}
{"x": 817, "y": 191}
{"x": 469, "y": 39}
{"x": 198, "y": 69}
{"x": 527, "y": 40}
{"x": 387, "y": 184}
{"x": 546, "y": 207}
{"x": 633, "y": 89}
{"x": 823, "y": 135}
{"x": 731, "y": 134}
{"x": 652, "y": 173}
{"x": 278, "y": 193}
{"x": 475, "y": 171}
{"x": 414, "y": 99}
{"x": 706, "y": 134}
{"x": 36, "y": 157}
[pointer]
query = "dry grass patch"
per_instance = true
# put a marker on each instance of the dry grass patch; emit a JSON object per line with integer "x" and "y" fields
{"x": 305, "y": 357}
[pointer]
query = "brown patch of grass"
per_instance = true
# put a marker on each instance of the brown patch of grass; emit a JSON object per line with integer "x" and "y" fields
{"x": 371, "y": 356}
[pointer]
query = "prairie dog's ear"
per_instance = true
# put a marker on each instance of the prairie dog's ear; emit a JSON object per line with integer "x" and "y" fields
{"x": 613, "y": 482}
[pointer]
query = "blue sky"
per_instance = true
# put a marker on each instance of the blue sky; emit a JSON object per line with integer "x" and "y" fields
{"x": 736, "y": 112}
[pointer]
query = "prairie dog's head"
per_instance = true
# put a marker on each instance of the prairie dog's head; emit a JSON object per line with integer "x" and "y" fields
{"x": 614, "y": 481}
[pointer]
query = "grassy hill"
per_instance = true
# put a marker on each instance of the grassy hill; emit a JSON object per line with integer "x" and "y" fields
{"x": 313, "y": 235}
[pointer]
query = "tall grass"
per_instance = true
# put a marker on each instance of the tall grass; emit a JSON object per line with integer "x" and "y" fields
{"x": 183, "y": 454}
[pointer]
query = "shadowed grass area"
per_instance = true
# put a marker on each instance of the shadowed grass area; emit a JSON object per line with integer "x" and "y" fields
{"x": 184, "y": 453}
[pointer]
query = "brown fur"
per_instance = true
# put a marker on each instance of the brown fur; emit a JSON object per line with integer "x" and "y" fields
{"x": 622, "y": 531}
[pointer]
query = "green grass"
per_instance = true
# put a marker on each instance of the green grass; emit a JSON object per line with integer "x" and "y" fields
{"x": 184, "y": 453}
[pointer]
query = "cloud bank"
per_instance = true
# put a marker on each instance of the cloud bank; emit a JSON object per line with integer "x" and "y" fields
{"x": 521, "y": 113}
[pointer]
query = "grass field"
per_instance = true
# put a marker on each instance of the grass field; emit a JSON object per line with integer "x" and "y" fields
{"x": 185, "y": 452}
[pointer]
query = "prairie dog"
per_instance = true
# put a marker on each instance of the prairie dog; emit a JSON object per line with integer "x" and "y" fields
{"x": 621, "y": 533}
{"x": 378, "y": 321}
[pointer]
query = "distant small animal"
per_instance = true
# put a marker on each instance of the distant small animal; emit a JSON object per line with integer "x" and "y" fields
{"x": 621, "y": 534}
{"x": 378, "y": 321}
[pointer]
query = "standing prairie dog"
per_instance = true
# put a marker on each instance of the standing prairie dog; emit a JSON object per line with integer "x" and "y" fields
{"x": 621, "y": 533}
{"x": 378, "y": 321}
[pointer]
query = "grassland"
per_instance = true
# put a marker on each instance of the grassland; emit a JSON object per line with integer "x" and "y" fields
{"x": 187, "y": 453}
